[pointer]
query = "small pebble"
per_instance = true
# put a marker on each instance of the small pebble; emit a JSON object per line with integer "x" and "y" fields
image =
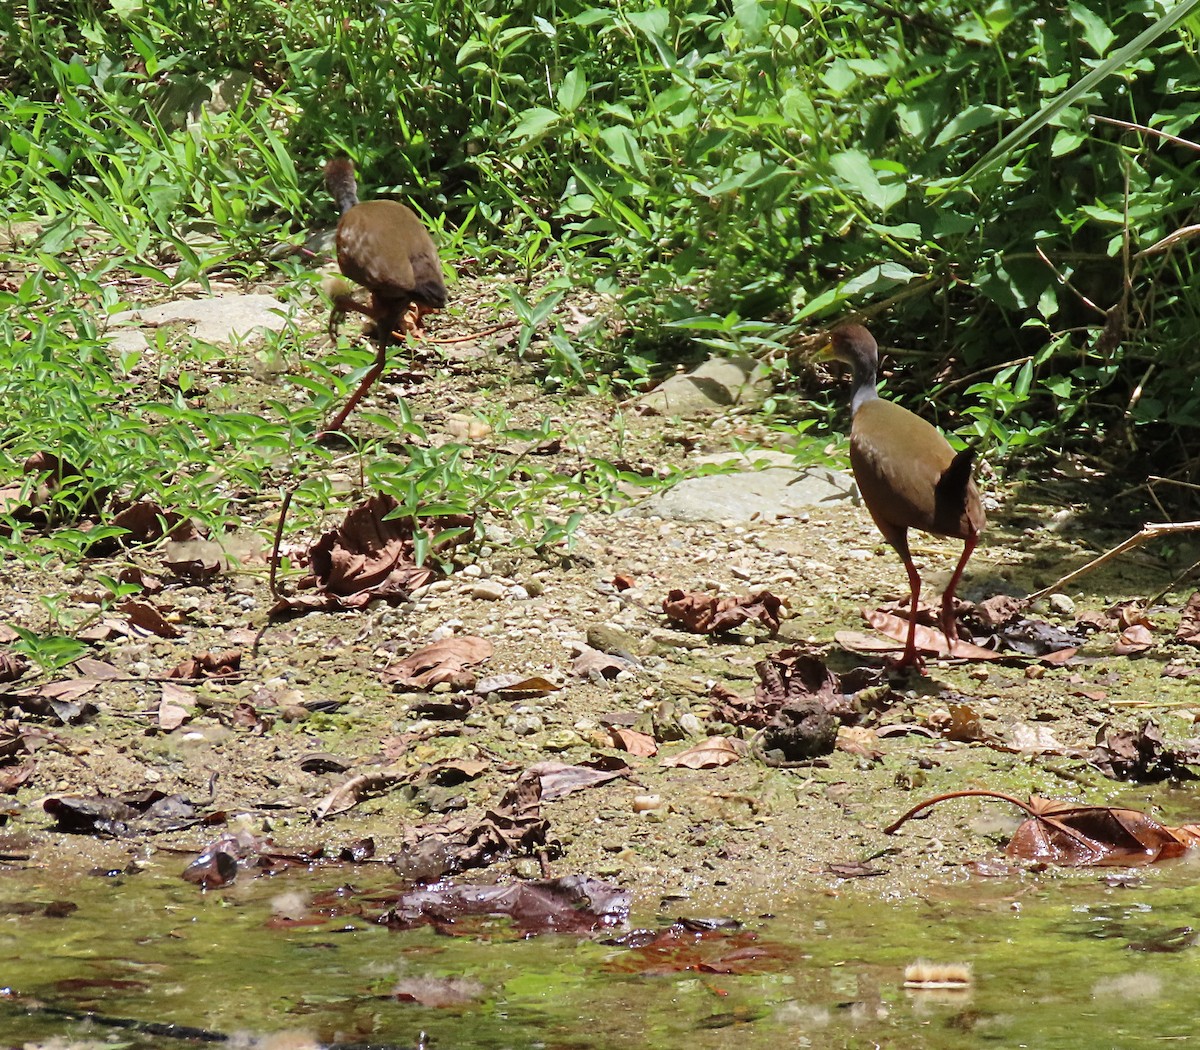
{"x": 488, "y": 590}
{"x": 1061, "y": 604}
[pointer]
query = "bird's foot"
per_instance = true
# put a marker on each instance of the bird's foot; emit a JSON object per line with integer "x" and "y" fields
{"x": 909, "y": 660}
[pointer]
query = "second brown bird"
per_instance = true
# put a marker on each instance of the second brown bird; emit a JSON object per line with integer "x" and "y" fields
{"x": 909, "y": 476}
{"x": 383, "y": 246}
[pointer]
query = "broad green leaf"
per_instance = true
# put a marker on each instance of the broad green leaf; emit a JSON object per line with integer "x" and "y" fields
{"x": 855, "y": 168}
{"x": 572, "y": 90}
{"x": 624, "y": 148}
{"x": 535, "y": 122}
{"x": 1096, "y": 33}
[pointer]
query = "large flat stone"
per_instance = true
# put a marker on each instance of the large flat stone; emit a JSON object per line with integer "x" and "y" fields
{"x": 708, "y": 390}
{"x": 217, "y": 319}
{"x": 777, "y": 492}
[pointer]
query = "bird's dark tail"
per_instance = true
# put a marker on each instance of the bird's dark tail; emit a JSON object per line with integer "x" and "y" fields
{"x": 339, "y": 180}
{"x": 955, "y": 477}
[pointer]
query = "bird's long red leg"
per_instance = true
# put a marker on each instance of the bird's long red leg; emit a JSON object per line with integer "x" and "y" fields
{"x": 949, "y": 627}
{"x": 384, "y": 338}
{"x": 911, "y": 657}
{"x": 376, "y": 371}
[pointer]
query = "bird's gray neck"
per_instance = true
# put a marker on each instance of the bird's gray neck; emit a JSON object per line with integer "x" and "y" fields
{"x": 864, "y": 388}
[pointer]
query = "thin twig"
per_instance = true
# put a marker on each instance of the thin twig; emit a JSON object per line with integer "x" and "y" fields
{"x": 1130, "y": 126}
{"x": 1066, "y": 283}
{"x": 1149, "y": 532}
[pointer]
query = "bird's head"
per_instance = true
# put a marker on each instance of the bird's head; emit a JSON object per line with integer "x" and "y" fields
{"x": 853, "y": 345}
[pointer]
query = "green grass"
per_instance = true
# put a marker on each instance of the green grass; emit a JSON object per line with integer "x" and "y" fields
{"x": 721, "y": 176}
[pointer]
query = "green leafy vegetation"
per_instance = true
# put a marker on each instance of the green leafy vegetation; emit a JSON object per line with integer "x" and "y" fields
{"x": 1007, "y": 195}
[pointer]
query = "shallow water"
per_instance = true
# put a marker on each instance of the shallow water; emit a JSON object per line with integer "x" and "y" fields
{"x": 1057, "y": 962}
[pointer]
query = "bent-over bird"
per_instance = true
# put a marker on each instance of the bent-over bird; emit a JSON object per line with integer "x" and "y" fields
{"x": 383, "y": 246}
{"x": 909, "y": 476}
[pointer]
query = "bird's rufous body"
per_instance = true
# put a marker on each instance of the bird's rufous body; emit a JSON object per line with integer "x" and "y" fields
{"x": 383, "y": 246}
{"x": 909, "y": 476}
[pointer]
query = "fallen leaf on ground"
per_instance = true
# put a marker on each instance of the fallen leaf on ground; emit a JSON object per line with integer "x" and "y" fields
{"x": 1072, "y": 835}
{"x": 998, "y": 609}
{"x": 926, "y": 639}
{"x": 1027, "y": 739}
{"x": 12, "y": 666}
{"x": 698, "y": 948}
{"x": 959, "y": 722}
{"x": 592, "y": 663}
{"x": 1189, "y": 622}
{"x": 1141, "y": 755}
{"x": 145, "y": 521}
{"x": 516, "y": 685}
{"x": 444, "y": 661}
{"x": 146, "y": 617}
{"x": 1135, "y": 639}
{"x": 371, "y": 556}
{"x": 641, "y": 744}
{"x": 353, "y": 791}
{"x": 573, "y": 904}
{"x": 146, "y": 812}
{"x": 514, "y": 828}
{"x": 704, "y": 613}
{"x": 712, "y": 753}
{"x": 59, "y": 699}
{"x": 559, "y": 779}
{"x": 208, "y": 664}
{"x": 171, "y": 710}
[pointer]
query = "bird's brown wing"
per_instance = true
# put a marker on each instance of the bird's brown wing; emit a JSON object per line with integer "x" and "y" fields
{"x": 898, "y": 460}
{"x": 383, "y": 246}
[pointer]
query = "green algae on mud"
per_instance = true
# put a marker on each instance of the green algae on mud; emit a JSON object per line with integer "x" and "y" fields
{"x": 1058, "y": 960}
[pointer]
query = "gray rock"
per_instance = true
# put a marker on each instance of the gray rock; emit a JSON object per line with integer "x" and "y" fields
{"x": 777, "y": 492}
{"x": 219, "y": 319}
{"x": 708, "y": 390}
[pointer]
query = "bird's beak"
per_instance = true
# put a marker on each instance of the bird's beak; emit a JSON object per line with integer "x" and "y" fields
{"x": 825, "y": 353}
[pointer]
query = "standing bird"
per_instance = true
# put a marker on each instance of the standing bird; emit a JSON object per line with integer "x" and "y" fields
{"x": 909, "y": 476}
{"x": 384, "y": 247}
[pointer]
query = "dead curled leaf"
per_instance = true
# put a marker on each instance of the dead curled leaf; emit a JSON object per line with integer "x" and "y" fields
{"x": 207, "y": 664}
{"x": 370, "y": 556}
{"x": 712, "y": 753}
{"x": 705, "y": 613}
{"x": 444, "y": 661}
{"x": 641, "y": 744}
{"x": 592, "y": 663}
{"x": 1189, "y": 622}
{"x": 1135, "y": 639}
{"x": 1072, "y": 835}
{"x": 146, "y": 617}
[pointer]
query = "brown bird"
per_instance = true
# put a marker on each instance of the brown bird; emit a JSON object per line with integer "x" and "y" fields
{"x": 909, "y": 476}
{"x": 384, "y": 247}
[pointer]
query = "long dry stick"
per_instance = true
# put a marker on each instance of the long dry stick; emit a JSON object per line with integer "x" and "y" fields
{"x": 1149, "y": 532}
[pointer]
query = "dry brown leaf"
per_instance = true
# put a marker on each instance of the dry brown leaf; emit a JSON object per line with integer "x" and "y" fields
{"x": 1072, "y": 835}
{"x": 704, "y": 613}
{"x": 1134, "y": 639}
{"x": 350, "y": 793}
{"x": 712, "y": 753}
{"x": 516, "y": 685}
{"x": 171, "y": 712}
{"x": 207, "y": 664}
{"x": 591, "y": 662}
{"x": 641, "y": 744}
{"x": 444, "y": 661}
{"x": 927, "y": 639}
{"x": 146, "y": 617}
{"x": 371, "y": 556}
{"x": 1189, "y": 622}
